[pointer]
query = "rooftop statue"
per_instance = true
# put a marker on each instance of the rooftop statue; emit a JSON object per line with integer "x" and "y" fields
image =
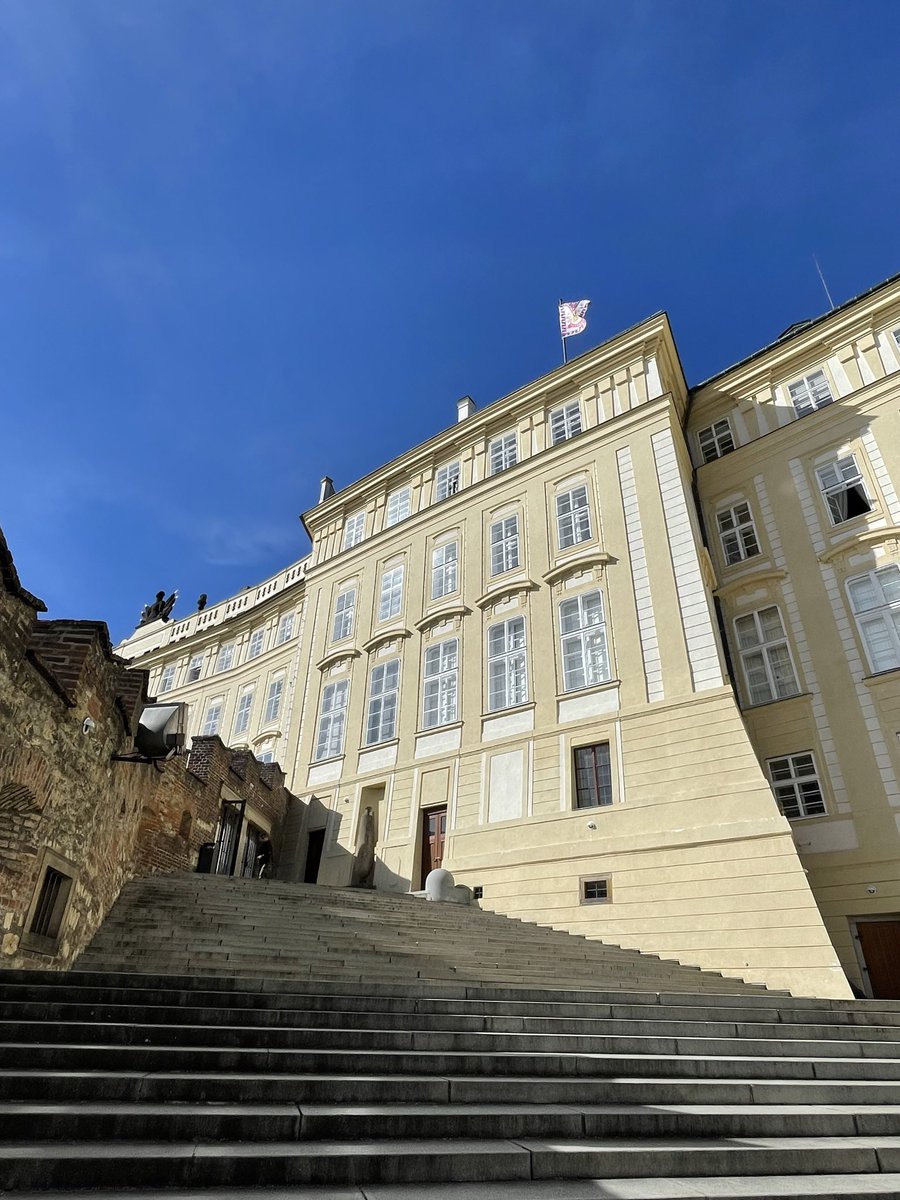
{"x": 159, "y": 610}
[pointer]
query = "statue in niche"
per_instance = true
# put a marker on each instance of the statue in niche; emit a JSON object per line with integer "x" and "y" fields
{"x": 363, "y": 874}
{"x": 159, "y": 610}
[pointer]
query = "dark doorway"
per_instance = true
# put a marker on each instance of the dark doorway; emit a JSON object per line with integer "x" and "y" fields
{"x": 314, "y": 847}
{"x": 434, "y": 834}
{"x": 249, "y": 864}
{"x": 229, "y": 836}
{"x": 880, "y": 942}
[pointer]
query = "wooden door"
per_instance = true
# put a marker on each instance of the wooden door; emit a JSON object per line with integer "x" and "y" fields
{"x": 434, "y": 833}
{"x": 880, "y": 941}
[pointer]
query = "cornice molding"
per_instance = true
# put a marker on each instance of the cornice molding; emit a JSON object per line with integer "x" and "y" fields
{"x": 505, "y": 589}
{"x": 872, "y": 537}
{"x": 766, "y": 574}
{"x": 597, "y": 558}
{"x": 395, "y": 633}
{"x": 452, "y": 612}
{"x": 336, "y": 656}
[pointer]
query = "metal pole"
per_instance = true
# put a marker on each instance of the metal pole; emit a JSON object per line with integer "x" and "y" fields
{"x": 562, "y": 336}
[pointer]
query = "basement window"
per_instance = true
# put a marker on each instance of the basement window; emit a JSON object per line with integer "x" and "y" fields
{"x": 48, "y": 911}
{"x": 596, "y": 891}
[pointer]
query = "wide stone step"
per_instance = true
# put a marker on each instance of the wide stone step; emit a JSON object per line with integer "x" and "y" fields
{"x": 173, "y": 1164}
{"x": 649, "y": 1025}
{"x": 768, "y": 1187}
{"x": 309, "y": 1122}
{"x": 148, "y": 1058}
{"x": 63, "y": 1086}
{"x": 434, "y": 1040}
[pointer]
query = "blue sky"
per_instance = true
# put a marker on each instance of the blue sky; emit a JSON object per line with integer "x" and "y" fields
{"x": 245, "y": 244}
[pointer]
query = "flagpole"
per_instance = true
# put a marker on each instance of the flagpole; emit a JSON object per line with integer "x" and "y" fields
{"x": 562, "y": 336}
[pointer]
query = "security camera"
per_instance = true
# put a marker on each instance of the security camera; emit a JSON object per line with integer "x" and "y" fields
{"x": 88, "y": 725}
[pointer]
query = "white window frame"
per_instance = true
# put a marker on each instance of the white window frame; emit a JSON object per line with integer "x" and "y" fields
{"x": 224, "y": 658}
{"x": 265, "y": 751}
{"x": 716, "y": 440}
{"x": 332, "y": 720}
{"x": 354, "y": 530}
{"x": 243, "y": 711}
{"x": 194, "y": 669}
{"x": 390, "y": 600}
{"x": 772, "y": 681}
{"x": 440, "y": 684}
{"x": 212, "y": 717}
{"x": 445, "y": 569}
{"x": 398, "y": 507}
{"x": 584, "y": 644}
{"x": 504, "y": 545}
{"x": 810, "y": 392}
{"x": 796, "y": 784}
{"x": 274, "y": 696}
{"x": 877, "y": 615}
{"x": 503, "y": 452}
{"x": 507, "y": 672}
{"x": 565, "y": 422}
{"x": 446, "y": 480}
{"x": 166, "y": 679}
{"x": 384, "y": 692}
{"x": 285, "y": 629}
{"x": 344, "y": 618}
{"x": 573, "y": 517}
{"x": 836, "y": 479}
{"x": 256, "y": 643}
{"x": 737, "y": 533}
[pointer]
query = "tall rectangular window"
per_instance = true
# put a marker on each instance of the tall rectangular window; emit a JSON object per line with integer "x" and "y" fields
{"x": 255, "y": 644}
{"x": 505, "y": 545}
{"x": 354, "y": 528}
{"x": 593, "y": 776}
{"x": 194, "y": 668}
{"x": 332, "y": 719}
{"x": 441, "y": 683}
{"x": 167, "y": 679}
{"x": 737, "y": 533}
{"x": 573, "y": 517}
{"x": 213, "y": 718}
{"x": 244, "y": 709}
{"x": 810, "y": 392}
{"x": 398, "y": 506}
{"x": 875, "y": 598}
{"x": 444, "y": 576}
{"x": 844, "y": 490}
{"x": 272, "y": 710}
{"x": 225, "y": 658}
{"x": 391, "y": 598}
{"x": 796, "y": 785}
{"x": 507, "y": 670}
{"x": 381, "y": 719}
{"x": 502, "y": 453}
{"x": 765, "y": 656}
{"x": 565, "y": 422}
{"x": 583, "y": 634}
{"x": 715, "y": 440}
{"x": 344, "y": 612}
{"x": 285, "y": 628}
{"x": 446, "y": 481}
{"x": 51, "y": 904}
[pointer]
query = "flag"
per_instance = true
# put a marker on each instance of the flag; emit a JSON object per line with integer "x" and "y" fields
{"x": 571, "y": 317}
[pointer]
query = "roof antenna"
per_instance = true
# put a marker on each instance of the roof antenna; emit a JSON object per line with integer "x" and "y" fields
{"x": 824, "y": 284}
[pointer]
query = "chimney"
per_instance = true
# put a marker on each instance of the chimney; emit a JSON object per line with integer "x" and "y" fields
{"x": 326, "y": 488}
{"x": 464, "y": 408}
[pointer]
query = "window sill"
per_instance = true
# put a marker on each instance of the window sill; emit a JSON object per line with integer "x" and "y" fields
{"x": 394, "y": 741}
{"x": 778, "y": 700}
{"x": 332, "y": 758}
{"x": 880, "y": 677}
{"x": 512, "y": 708}
{"x": 589, "y": 689}
{"x": 439, "y": 728}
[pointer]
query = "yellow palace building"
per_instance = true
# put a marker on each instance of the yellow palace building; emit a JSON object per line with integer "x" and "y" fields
{"x": 622, "y": 654}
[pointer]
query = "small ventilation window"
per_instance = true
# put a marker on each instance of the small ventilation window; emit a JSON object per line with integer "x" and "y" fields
{"x": 596, "y": 891}
{"x": 51, "y": 904}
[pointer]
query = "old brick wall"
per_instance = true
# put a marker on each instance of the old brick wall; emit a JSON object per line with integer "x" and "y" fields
{"x": 67, "y": 706}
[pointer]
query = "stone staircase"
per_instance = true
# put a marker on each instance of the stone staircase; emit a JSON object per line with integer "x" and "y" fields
{"x": 365, "y": 1071}
{"x": 182, "y": 924}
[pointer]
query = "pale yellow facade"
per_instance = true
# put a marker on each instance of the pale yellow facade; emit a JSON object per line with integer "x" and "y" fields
{"x": 533, "y": 587}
